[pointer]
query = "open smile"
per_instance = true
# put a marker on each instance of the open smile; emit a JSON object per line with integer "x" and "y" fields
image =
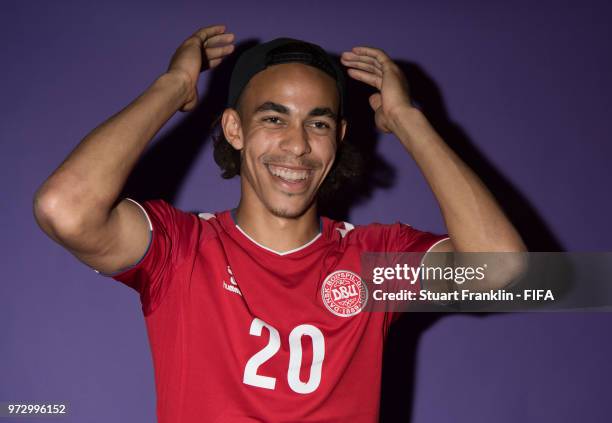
{"x": 293, "y": 179}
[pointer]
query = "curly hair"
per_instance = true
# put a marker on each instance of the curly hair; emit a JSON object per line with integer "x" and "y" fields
{"x": 346, "y": 171}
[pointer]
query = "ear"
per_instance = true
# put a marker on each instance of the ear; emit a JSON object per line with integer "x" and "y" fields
{"x": 342, "y": 130}
{"x": 232, "y": 128}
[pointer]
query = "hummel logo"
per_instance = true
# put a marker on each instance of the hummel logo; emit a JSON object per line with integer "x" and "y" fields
{"x": 232, "y": 286}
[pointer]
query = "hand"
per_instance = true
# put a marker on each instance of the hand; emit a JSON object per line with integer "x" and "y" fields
{"x": 203, "y": 50}
{"x": 375, "y": 68}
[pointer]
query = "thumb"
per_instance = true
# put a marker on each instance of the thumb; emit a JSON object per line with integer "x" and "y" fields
{"x": 375, "y": 101}
{"x": 191, "y": 103}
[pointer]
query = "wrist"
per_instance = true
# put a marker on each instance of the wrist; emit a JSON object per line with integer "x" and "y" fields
{"x": 401, "y": 118}
{"x": 176, "y": 83}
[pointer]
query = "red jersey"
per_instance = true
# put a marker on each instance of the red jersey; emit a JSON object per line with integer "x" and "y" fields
{"x": 241, "y": 333}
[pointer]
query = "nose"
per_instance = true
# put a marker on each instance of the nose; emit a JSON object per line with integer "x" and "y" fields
{"x": 296, "y": 142}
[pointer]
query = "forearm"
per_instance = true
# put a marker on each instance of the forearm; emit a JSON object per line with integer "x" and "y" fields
{"x": 89, "y": 180}
{"x": 474, "y": 220}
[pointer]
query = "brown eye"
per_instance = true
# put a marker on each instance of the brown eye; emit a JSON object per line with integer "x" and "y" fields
{"x": 320, "y": 125}
{"x": 272, "y": 119}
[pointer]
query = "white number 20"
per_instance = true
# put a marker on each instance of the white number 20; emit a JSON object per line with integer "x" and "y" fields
{"x": 295, "y": 358}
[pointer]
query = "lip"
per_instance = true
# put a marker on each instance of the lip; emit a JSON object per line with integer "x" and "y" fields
{"x": 289, "y": 186}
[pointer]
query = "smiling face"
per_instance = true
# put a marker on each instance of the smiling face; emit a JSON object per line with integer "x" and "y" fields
{"x": 287, "y": 133}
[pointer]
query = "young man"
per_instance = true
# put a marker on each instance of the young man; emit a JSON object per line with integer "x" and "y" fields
{"x": 239, "y": 305}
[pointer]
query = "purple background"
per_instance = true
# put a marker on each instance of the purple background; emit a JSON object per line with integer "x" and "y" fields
{"x": 521, "y": 89}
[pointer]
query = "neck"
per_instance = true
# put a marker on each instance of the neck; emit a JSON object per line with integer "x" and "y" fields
{"x": 280, "y": 234}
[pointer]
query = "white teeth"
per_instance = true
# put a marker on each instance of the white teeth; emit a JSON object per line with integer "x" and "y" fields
{"x": 288, "y": 174}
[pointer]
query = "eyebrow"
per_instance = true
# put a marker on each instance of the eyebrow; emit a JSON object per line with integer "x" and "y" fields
{"x": 279, "y": 108}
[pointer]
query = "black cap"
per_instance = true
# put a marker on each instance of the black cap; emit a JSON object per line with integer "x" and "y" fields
{"x": 282, "y": 50}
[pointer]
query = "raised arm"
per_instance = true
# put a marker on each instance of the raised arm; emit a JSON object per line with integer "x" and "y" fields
{"x": 77, "y": 205}
{"x": 474, "y": 220}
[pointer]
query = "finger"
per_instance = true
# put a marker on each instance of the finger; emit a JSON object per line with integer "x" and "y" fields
{"x": 207, "y": 32}
{"x": 366, "y": 59}
{"x": 375, "y": 53}
{"x": 367, "y": 77}
{"x": 214, "y": 62}
{"x": 218, "y": 52}
{"x": 219, "y": 40}
{"x": 363, "y": 66}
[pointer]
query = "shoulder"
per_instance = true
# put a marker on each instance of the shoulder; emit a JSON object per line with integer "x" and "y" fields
{"x": 213, "y": 223}
{"x": 376, "y": 236}
{"x": 370, "y": 235}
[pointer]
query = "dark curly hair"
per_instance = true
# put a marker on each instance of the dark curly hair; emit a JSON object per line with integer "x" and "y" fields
{"x": 346, "y": 172}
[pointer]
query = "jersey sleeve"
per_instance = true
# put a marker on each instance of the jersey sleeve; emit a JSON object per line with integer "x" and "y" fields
{"x": 170, "y": 243}
{"x": 411, "y": 240}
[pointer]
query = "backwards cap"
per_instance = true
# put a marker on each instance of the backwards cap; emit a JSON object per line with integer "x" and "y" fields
{"x": 282, "y": 50}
